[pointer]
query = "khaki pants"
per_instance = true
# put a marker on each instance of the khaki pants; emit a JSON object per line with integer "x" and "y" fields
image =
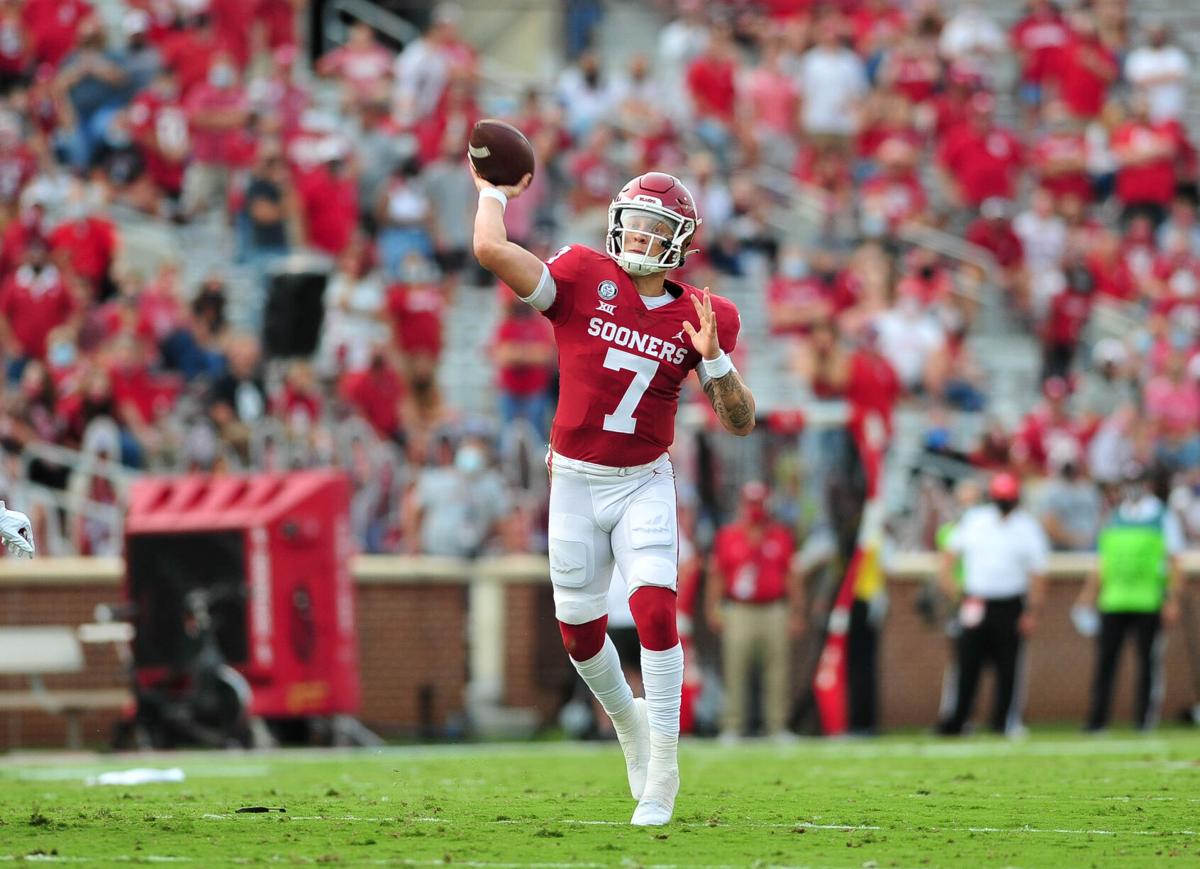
{"x": 756, "y": 633}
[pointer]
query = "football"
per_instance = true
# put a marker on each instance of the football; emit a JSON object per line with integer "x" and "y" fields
{"x": 499, "y": 152}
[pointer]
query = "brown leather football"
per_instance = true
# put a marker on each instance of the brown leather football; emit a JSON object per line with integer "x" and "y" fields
{"x": 499, "y": 152}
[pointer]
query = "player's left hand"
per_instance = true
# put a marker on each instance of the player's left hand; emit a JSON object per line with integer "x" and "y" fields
{"x": 16, "y": 532}
{"x": 704, "y": 339}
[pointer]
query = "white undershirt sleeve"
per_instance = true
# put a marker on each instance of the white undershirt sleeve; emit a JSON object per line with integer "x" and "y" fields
{"x": 544, "y": 293}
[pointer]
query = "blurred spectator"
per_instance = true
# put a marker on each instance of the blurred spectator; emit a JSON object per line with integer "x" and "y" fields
{"x": 1160, "y": 70}
{"x": 585, "y": 95}
{"x": 85, "y": 245}
{"x": 377, "y": 393}
{"x": 298, "y": 402}
{"x": 524, "y": 353}
{"x": 237, "y": 399}
{"x": 980, "y": 159}
{"x": 1042, "y": 235}
{"x": 1049, "y": 422}
{"x": 329, "y": 199}
{"x": 33, "y": 300}
{"x": 1070, "y": 310}
{"x": 193, "y": 348}
{"x": 18, "y": 162}
{"x": 971, "y": 38}
{"x": 159, "y": 125}
{"x": 217, "y": 111}
{"x": 1106, "y": 386}
{"x": 353, "y": 325}
{"x": 1086, "y": 69}
{"x": 405, "y": 218}
{"x": 1040, "y": 39}
{"x": 457, "y": 506}
{"x": 191, "y": 50}
{"x": 1060, "y": 154}
{"x": 993, "y": 231}
{"x": 596, "y": 176}
{"x": 94, "y": 534}
{"x": 1172, "y": 407}
{"x": 754, "y": 600}
{"x": 894, "y": 196}
{"x": 268, "y": 209}
{"x": 712, "y": 89}
{"x": 953, "y": 373}
{"x": 908, "y": 338}
{"x": 910, "y": 70}
{"x": 872, "y": 383}
{"x": 452, "y": 208}
{"x": 1146, "y": 152}
{"x": 832, "y": 81}
{"x": 276, "y": 94}
{"x": 425, "y": 66}
{"x": 362, "y": 65}
{"x": 54, "y": 27}
{"x": 91, "y": 86}
{"x": 1180, "y": 229}
{"x": 798, "y": 298}
{"x": 1068, "y": 503}
{"x": 415, "y": 305}
{"x": 14, "y": 46}
{"x": 682, "y": 40}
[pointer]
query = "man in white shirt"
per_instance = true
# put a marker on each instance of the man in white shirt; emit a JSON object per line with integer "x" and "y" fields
{"x": 1003, "y": 551}
{"x": 1160, "y": 70}
{"x": 832, "y": 81}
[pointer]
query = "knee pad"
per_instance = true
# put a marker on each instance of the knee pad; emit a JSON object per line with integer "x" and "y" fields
{"x": 584, "y": 642}
{"x": 653, "y": 609}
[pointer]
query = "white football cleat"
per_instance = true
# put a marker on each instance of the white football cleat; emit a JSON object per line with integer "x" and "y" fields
{"x": 636, "y": 745}
{"x": 657, "y": 804}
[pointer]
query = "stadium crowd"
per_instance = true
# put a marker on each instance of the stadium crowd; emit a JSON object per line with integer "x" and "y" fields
{"x": 886, "y": 115}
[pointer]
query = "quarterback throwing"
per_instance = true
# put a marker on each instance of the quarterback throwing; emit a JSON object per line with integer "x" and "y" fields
{"x": 627, "y": 337}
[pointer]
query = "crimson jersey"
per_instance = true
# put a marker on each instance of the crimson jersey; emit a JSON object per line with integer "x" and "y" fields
{"x": 621, "y": 365}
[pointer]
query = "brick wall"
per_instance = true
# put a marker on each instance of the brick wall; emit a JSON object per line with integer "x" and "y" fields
{"x": 413, "y": 657}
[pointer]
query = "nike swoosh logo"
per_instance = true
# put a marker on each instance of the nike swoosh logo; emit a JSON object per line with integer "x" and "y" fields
{"x": 478, "y": 153}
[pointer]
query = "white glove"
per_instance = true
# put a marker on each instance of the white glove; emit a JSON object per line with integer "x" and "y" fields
{"x": 16, "y": 532}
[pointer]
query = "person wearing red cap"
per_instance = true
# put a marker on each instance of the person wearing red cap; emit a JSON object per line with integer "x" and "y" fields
{"x": 1003, "y": 552}
{"x": 754, "y": 600}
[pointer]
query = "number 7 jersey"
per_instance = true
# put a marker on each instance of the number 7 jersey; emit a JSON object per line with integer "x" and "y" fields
{"x": 621, "y": 364}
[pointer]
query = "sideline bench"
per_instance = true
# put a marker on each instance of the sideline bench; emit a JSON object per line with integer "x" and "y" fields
{"x": 39, "y": 651}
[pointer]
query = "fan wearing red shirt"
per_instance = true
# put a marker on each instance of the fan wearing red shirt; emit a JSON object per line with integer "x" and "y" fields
{"x": 329, "y": 200}
{"x": 377, "y": 392}
{"x": 1049, "y": 421}
{"x": 34, "y": 300}
{"x": 18, "y": 163}
{"x": 712, "y": 87}
{"x": 524, "y": 353}
{"x": 912, "y": 68}
{"x": 416, "y": 307}
{"x": 1086, "y": 70}
{"x": 754, "y": 599}
{"x": 872, "y": 385}
{"x": 1146, "y": 153}
{"x": 85, "y": 245}
{"x": 14, "y": 44}
{"x": 894, "y": 196}
{"x": 191, "y": 51}
{"x": 298, "y": 402}
{"x": 981, "y": 159}
{"x": 993, "y": 232}
{"x": 217, "y": 112}
{"x": 1059, "y": 156}
{"x": 53, "y": 26}
{"x": 627, "y": 337}
{"x": 1039, "y": 38}
{"x": 1068, "y": 316}
{"x": 875, "y": 25}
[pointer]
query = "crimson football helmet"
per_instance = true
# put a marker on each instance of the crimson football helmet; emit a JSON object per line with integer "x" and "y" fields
{"x": 651, "y": 222}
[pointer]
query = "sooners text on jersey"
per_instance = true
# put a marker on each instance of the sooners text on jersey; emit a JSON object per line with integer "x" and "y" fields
{"x": 621, "y": 365}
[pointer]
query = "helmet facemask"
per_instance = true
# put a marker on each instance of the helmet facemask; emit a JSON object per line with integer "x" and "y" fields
{"x": 646, "y": 238}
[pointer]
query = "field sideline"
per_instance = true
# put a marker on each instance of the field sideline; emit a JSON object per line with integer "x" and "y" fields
{"x": 1054, "y": 800}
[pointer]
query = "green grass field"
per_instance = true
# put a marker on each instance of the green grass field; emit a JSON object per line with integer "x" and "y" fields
{"x": 1055, "y": 800}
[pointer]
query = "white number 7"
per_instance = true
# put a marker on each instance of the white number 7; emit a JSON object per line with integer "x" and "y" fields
{"x": 621, "y": 419}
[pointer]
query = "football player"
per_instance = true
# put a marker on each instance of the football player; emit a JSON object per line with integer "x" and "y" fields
{"x": 627, "y": 337}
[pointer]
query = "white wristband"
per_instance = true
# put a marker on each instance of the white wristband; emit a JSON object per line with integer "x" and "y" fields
{"x": 718, "y": 367}
{"x": 493, "y": 193}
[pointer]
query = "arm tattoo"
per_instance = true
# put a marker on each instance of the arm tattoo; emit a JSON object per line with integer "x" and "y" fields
{"x": 732, "y": 401}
